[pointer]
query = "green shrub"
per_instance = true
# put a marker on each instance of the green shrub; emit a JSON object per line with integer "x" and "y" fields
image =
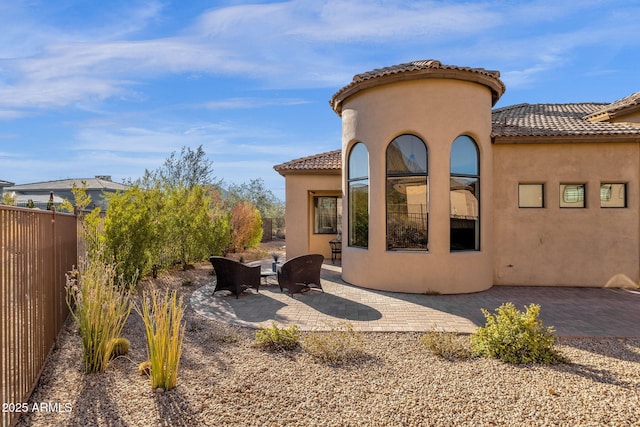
{"x": 275, "y": 338}
{"x": 162, "y": 317}
{"x": 100, "y": 306}
{"x": 516, "y": 337}
{"x": 448, "y": 345}
{"x": 341, "y": 344}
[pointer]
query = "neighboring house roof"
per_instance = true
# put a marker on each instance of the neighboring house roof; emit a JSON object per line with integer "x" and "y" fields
{"x": 6, "y": 183}
{"x": 559, "y": 121}
{"x": 97, "y": 183}
{"x": 324, "y": 163}
{"x": 423, "y": 69}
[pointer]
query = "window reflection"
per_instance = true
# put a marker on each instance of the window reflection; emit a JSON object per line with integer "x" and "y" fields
{"x": 572, "y": 195}
{"x": 359, "y": 162}
{"x": 407, "y": 194}
{"x": 464, "y": 156}
{"x": 464, "y": 195}
{"x": 613, "y": 195}
{"x": 358, "y": 202}
{"x": 327, "y": 214}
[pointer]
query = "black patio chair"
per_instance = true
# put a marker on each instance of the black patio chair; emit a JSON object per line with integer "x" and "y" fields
{"x": 234, "y": 276}
{"x": 301, "y": 273}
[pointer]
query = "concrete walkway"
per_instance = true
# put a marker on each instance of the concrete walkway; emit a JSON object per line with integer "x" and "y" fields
{"x": 572, "y": 311}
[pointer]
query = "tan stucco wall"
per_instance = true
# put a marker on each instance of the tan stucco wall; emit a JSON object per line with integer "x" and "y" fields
{"x": 437, "y": 111}
{"x": 551, "y": 246}
{"x": 300, "y": 190}
{"x": 633, "y": 117}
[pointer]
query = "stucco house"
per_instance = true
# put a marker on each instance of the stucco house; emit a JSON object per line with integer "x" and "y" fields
{"x": 40, "y": 192}
{"x": 433, "y": 190}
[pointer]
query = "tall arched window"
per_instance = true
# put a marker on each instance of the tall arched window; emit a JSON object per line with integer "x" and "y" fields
{"x": 358, "y": 180}
{"x": 465, "y": 195}
{"x": 407, "y": 209}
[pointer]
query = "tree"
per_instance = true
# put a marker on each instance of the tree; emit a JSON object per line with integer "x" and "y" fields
{"x": 262, "y": 198}
{"x": 187, "y": 170}
{"x": 192, "y": 226}
{"x": 91, "y": 222}
{"x": 129, "y": 231}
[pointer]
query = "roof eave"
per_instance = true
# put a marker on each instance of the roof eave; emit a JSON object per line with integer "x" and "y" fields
{"x": 285, "y": 172}
{"x": 493, "y": 83}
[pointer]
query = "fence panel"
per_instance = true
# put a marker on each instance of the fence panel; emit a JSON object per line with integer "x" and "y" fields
{"x": 37, "y": 248}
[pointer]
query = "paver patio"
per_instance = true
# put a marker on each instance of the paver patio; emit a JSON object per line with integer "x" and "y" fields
{"x": 572, "y": 311}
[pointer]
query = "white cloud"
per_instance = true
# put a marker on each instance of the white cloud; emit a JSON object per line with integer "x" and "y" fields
{"x": 246, "y": 103}
{"x": 293, "y": 44}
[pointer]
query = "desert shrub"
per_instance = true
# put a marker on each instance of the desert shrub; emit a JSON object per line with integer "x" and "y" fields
{"x": 99, "y": 303}
{"x": 448, "y": 345}
{"x": 516, "y": 337}
{"x": 341, "y": 344}
{"x": 162, "y": 317}
{"x": 246, "y": 226}
{"x": 224, "y": 333}
{"x": 275, "y": 338}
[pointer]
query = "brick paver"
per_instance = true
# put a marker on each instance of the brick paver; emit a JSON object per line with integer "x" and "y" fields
{"x": 572, "y": 311}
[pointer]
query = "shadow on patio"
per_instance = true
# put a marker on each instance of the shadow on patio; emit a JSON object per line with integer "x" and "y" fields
{"x": 572, "y": 311}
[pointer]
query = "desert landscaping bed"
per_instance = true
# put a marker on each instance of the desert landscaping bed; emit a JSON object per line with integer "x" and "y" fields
{"x": 226, "y": 380}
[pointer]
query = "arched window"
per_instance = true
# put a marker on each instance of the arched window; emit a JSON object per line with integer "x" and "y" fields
{"x": 407, "y": 209}
{"x": 358, "y": 180}
{"x": 465, "y": 195}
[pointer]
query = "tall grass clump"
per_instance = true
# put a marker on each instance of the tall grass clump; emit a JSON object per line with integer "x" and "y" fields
{"x": 516, "y": 337}
{"x": 100, "y": 304}
{"x": 162, "y": 317}
{"x": 341, "y": 344}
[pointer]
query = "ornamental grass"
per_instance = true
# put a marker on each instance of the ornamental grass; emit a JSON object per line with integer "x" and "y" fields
{"x": 162, "y": 317}
{"x": 100, "y": 305}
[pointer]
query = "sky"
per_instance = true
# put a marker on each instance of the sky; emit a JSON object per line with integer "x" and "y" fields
{"x": 113, "y": 87}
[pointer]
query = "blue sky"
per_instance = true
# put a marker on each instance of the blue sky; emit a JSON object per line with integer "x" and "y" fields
{"x": 113, "y": 87}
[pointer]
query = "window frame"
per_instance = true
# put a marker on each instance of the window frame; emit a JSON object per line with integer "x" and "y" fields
{"x": 477, "y": 194}
{"x": 336, "y": 215}
{"x": 351, "y": 182}
{"x": 542, "y": 195}
{"x": 564, "y": 204}
{"x": 395, "y": 175}
{"x": 625, "y": 193}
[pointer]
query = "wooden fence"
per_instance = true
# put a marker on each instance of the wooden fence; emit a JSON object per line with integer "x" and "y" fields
{"x": 37, "y": 248}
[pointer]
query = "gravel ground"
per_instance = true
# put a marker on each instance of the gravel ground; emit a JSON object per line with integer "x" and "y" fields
{"x": 224, "y": 380}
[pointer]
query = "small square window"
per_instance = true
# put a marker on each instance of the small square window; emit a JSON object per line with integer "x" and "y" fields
{"x": 572, "y": 195}
{"x": 531, "y": 195}
{"x": 613, "y": 195}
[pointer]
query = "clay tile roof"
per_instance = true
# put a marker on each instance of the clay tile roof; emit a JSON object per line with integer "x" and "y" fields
{"x": 330, "y": 161}
{"x": 555, "y": 120}
{"x": 631, "y": 102}
{"x": 417, "y": 70}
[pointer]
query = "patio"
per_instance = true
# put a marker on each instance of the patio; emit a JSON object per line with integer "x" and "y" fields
{"x": 576, "y": 312}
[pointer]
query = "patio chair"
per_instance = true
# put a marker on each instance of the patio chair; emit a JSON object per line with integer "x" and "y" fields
{"x": 234, "y": 276}
{"x": 301, "y": 273}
